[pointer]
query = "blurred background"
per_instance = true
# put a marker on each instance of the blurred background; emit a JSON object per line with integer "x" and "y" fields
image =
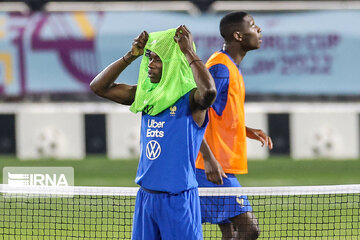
{"x": 302, "y": 86}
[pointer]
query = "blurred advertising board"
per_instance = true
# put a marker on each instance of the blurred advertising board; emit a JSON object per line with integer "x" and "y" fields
{"x": 305, "y": 53}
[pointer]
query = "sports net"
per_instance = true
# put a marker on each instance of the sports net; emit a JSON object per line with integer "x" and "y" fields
{"x": 318, "y": 212}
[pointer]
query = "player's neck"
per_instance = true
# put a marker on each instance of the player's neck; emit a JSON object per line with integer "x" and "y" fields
{"x": 235, "y": 51}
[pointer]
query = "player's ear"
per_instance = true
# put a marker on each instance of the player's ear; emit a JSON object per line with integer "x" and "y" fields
{"x": 237, "y": 36}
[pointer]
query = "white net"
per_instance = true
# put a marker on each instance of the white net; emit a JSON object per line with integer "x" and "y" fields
{"x": 311, "y": 212}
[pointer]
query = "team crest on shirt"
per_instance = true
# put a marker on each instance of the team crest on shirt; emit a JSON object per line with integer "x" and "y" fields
{"x": 173, "y": 110}
{"x": 240, "y": 201}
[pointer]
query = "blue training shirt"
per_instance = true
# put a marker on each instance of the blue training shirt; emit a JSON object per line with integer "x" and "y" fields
{"x": 169, "y": 145}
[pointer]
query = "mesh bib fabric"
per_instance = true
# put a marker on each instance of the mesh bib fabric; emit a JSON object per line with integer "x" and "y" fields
{"x": 176, "y": 79}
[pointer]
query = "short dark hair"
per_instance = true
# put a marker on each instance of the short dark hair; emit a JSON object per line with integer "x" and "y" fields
{"x": 230, "y": 23}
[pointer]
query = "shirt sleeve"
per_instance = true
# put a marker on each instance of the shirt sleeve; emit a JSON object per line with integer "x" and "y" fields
{"x": 220, "y": 74}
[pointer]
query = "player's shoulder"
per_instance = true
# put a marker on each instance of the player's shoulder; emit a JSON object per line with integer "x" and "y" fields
{"x": 219, "y": 70}
{"x": 218, "y": 56}
{"x": 217, "y": 65}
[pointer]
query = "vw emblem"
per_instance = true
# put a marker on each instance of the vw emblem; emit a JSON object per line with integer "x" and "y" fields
{"x": 153, "y": 150}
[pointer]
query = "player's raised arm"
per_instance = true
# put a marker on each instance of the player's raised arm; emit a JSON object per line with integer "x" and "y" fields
{"x": 205, "y": 93}
{"x": 104, "y": 83}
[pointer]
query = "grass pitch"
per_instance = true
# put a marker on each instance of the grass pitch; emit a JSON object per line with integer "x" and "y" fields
{"x": 276, "y": 171}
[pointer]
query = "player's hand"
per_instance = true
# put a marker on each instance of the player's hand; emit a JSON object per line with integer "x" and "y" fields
{"x": 259, "y": 135}
{"x": 214, "y": 172}
{"x": 139, "y": 43}
{"x": 184, "y": 38}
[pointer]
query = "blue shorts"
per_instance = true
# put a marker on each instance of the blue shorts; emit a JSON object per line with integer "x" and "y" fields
{"x": 167, "y": 216}
{"x": 219, "y": 209}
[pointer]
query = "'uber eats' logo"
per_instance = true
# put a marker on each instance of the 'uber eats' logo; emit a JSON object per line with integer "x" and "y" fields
{"x": 153, "y": 150}
{"x": 154, "y": 128}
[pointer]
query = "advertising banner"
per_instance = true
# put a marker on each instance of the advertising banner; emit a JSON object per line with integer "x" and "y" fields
{"x": 302, "y": 53}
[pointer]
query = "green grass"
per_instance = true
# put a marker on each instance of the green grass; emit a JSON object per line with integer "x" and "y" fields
{"x": 276, "y": 171}
{"x": 283, "y": 171}
{"x": 92, "y": 171}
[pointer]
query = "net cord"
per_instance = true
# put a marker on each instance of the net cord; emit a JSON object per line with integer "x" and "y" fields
{"x": 220, "y": 191}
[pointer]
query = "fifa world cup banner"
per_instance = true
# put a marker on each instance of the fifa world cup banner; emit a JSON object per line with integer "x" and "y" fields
{"x": 301, "y": 53}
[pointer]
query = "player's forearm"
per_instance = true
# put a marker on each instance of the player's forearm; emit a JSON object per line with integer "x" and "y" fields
{"x": 248, "y": 131}
{"x": 106, "y": 78}
{"x": 206, "y": 151}
{"x": 206, "y": 89}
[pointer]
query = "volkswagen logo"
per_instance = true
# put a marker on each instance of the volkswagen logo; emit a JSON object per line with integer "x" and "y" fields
{"x": 153, "y": 150}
